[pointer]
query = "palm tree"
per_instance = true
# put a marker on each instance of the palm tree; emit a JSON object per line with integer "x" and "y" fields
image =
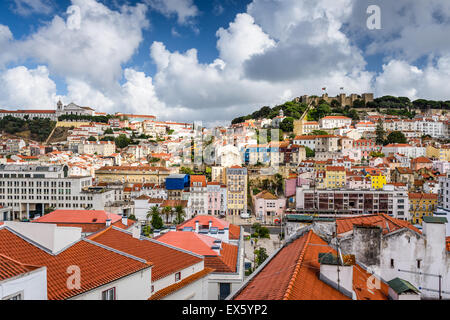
{"x": 180, "y": 214}
{"x": 167, "y": 211}
{"x": 153, "y": 210}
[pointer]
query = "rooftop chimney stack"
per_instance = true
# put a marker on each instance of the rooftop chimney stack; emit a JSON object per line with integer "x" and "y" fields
{"x": 136, "y": 231}
{"x": 197, "y": 228}
{"x": 108, "y": 222}
{"x": 337, "y": 273}
{"x": 210, "y": 224}
{"x": 124, "y": 220}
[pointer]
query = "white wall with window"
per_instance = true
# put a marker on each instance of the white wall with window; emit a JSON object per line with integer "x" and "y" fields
{"x": 28, "y": 286}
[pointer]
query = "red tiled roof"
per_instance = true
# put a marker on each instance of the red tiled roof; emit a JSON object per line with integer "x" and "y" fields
{"x": 447, "y": 240}
{"x": 293, "y": 274}
{"x": 10, "y": 268}
{"x": 98, "y": 265}
{"x": 174, "y": 203}
{"x": 176, "y": 286}
{"x": 203, "y": 220}
{"x": 387, "y": 223}
{"x": 423, "y": 196}
{"x": 165, "y": 260}
{"x": 198, "y": 178}
{"x": 201, "y": 244}
{"x": 78, "y": 216}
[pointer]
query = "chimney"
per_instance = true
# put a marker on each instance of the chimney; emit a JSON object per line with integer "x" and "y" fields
{"x": 136, "y": 231}
{"x": 108, "y": 222}
{"x": 209, "y": 224}
{"x": 434, "y": 231}
{"x": 400, "y": 289}
{"x": 197, "y": 228}
{"x": 156, "y": 232}
{"x": 125, "y": 220}
{"x": 226, "y": 234}
{"x": 172, "y": 228}
{"x": 336, "y": 273}
{"x": 216, "y": 248}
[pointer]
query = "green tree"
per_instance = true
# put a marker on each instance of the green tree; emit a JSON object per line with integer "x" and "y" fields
{"x": 287, "y": 125}
{"x": 167, "y": 211}
{"x": 108, "y": 131}
{"x": 92, "y": 138}
{"x": 180, "y": 214}
{"x": 122, "y": 141}
{"x": 396, "y": 137}
{"x": 185, "y": 170}
{"x": 309, "y": 152}
{"x": 260, "y": 256}
{"x": 156, "y": 222}
{"x": 380, "y": 133}
{"x": 48, "y": 210}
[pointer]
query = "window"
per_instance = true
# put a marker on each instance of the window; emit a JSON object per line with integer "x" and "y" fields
{"x": 418, "y": 263}
{"x": 177, "y": 276}
{"x": 109, "y": 294}
{"x": 392, "y": 263}
{"x": 15, "y": 296}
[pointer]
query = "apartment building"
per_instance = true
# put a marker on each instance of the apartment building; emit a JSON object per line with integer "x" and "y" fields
{"x": 236, "y": 179}
{"x": 422, "y": 205}
{"x": 132, "y": 174}
{"x": 390, "y": 200}
{"x": 335, "y": 177}
{"x": 31, "y": 189}
{"x": 102, "y": 148}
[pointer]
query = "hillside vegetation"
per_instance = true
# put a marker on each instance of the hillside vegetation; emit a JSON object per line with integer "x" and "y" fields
{"x": 35, "y": 129}
{"x": 401, "y": 106}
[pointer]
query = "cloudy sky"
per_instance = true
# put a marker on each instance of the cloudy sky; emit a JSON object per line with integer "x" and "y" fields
{"x": 215, "y": 60}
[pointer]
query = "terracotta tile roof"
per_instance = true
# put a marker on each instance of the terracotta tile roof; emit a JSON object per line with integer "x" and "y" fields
{"x": 293, "y": 274}
{"x": 335, "y": 168}
{"x": 198, "y": 178}
{"x": 176, "y": 286}
{"x": 423, "y": 196}
{"x": 10, "y": 268}
{"x": 387, "y": 223}
{"x": 165, "y": 260}
{"x": 201, "y": 244}
{"x": 421, "y": 160}
{"x": 266, "y": 195}
{"x": 447, "y": 240}
{"x": 203, "y": 220}
{"x": 78, "y": 216}
{"x": 98, "y": 265}
{"x": 174, "y": 203}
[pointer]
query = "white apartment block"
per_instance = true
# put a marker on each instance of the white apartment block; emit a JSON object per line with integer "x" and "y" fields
{"x": 30, "y": 189}
{"x": 435, "y": 129}
{"x": 331, "y": 122}
{"x": 102, "y": 148}
{"x": 345, "y": 202}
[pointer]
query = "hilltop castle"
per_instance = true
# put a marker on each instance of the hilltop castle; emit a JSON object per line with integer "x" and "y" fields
{"x": 342, "y": 98}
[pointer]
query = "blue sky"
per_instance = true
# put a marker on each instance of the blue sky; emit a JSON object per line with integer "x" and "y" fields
{"x": 215, "y": 60}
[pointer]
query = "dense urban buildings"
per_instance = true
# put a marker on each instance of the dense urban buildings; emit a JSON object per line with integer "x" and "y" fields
{"x": 187, "y": 212}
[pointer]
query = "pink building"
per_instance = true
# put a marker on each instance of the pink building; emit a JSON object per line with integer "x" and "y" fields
{"x": 217, "y": 198}
{"x": 366, "y": 147}
{"x": 268, "y": 206}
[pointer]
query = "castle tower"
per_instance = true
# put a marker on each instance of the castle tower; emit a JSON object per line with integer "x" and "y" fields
{"x": 59, "y": 106}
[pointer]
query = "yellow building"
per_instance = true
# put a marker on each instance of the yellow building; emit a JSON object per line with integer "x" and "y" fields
{"x": 377, "y": 181}
{"x": 236, "y": 179}
{"x": 444, "y": 153}
{"x": 421, "y": 205}
{"x": 335, "y": 177}
{"x": 132, "y": 174}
